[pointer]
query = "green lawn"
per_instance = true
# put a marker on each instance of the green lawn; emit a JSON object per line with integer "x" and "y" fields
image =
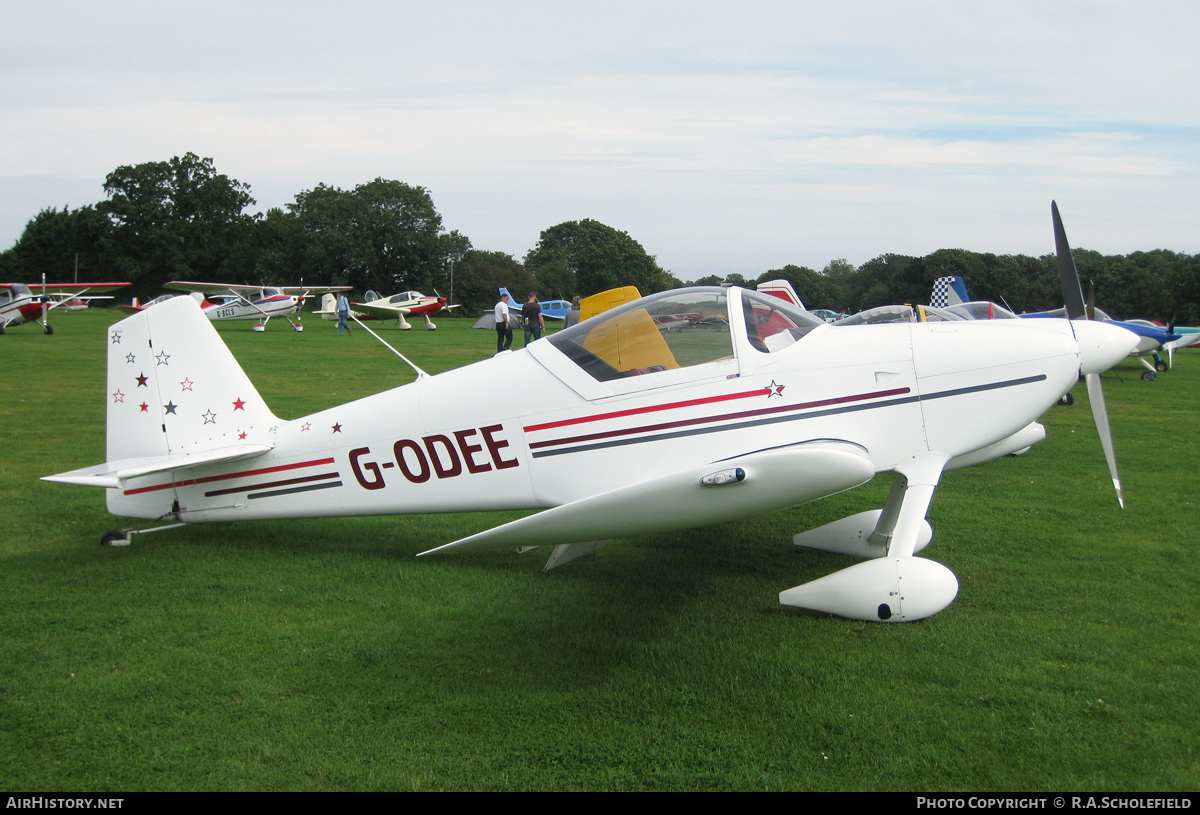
{"x": 296, "y": 655}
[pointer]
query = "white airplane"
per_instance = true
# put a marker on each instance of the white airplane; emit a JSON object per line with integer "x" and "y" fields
{"x": 396, "y": 307}
{"x": 618, "y": 429}
{"x": 259, "y": 303}
{"x": 31, "y": 302}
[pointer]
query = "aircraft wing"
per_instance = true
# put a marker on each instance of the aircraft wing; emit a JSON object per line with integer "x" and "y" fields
{"x": 384, "y": 312}
{"x": 113, "y": 473}
{"x": 211, "y": 288}
{"x": 755, "y": 483}
{"x": 312, "y": 289}
{"x": 74, "y": 289}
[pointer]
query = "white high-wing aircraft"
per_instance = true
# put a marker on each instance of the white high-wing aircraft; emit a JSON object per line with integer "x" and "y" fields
{"x": 259, "y": 303}
{"x": 31, "y": 302}
{"x": 618, "y": 429}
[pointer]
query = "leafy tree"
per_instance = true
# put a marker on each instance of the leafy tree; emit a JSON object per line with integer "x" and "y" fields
{"x": 599, "y": 257}
{"x": 479, "y": 275}
{"x": 177, "y": 218}
{"x": 56, "y": 243}
{"x": 383, "y": 235}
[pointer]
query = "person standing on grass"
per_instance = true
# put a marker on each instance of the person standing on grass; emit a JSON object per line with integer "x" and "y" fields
{"x": 572, "y": 317}
{"x": 343, "y": 311}
{"x": 531, "y": 313}
{"x": 504, "y": 336}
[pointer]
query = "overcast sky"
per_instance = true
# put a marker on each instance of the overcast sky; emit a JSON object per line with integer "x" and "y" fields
{"x": 725, "y": 137}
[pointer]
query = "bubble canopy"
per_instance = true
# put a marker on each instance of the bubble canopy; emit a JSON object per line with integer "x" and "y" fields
{"x": 680, "y": 329}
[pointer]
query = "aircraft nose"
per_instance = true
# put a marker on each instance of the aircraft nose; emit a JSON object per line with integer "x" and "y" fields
{"x": 1101, "y": 345}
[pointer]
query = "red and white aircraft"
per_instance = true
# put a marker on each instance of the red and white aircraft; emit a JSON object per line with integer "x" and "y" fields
{"x": 30, "y": 302}
{"x": 396, "y": 307}
{"x": 259, "y": 303}
{"x": 618, "y": 429}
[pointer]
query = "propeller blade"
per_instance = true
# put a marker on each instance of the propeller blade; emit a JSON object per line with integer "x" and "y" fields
{"x": 1073, "y": 299}
{"x": 1100, "y": 414}
{"x": 1091, "y": 301}
{"x": 1068, "y": 277}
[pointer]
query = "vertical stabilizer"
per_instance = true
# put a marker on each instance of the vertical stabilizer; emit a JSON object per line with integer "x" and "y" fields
{"x": 174, "y": 388}
{"x": 949, "y": 291}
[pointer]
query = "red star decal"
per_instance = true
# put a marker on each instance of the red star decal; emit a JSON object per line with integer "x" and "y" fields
{"x": 239, "y": 404}
{"x": 145, "y": 408}
{"x": 141, "y": 381}
{"x": 304, "y": 427}
{"x": 118, "y": 397}
{"x": 186, "y": 384}
{"x": 337, "y": 428}
{"x": 242, "y": 435}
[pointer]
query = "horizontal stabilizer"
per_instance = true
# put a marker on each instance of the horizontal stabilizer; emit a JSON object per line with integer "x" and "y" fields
{"x": 114, "y": 473}
{"x": 765, "y": 481}
{"x": 852, "y": 536}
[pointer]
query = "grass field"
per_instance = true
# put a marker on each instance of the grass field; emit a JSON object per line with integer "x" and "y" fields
{"x": 298, "y": 655}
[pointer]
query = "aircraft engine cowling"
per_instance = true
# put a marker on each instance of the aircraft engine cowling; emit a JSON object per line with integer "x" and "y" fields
{"x": 892, "y": 590}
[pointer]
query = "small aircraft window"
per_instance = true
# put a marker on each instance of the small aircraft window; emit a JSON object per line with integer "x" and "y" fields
{"x": 772, "y": 323}
{"x": 675, "y": 329}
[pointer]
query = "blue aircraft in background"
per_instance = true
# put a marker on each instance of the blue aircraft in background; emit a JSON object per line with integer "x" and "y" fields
{"x": 952, "y": 291}
{"x": 553, "y": 309}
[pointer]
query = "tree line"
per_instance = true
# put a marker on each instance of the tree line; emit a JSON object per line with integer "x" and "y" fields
{"x": 181, "y": 219}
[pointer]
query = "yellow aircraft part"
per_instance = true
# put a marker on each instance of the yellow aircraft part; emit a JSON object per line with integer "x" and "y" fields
{"x": 599, "y": 303}
{"x": 631, "y": 341}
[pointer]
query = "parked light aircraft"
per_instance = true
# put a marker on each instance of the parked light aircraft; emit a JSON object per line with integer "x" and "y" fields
{"x": 396, "y": 307}
{"x": 618, "y": 429}
{"x": 137, "y": 305}
{"x": 551, "y": 309}
{"x": 259, "y": 303}
{"x": 30, "y": 302}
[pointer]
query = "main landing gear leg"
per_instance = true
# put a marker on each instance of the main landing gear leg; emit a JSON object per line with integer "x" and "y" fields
{"x": 894, "y": 586}
{"x": 124, "y": 537}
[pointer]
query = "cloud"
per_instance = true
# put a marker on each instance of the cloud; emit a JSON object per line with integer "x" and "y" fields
{"x": 723, "y": 139}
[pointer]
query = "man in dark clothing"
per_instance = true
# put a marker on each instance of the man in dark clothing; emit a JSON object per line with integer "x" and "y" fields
{"x": 531, "y": 313}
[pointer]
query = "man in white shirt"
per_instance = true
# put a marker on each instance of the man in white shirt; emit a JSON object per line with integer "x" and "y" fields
{"x": 504, "y": 335}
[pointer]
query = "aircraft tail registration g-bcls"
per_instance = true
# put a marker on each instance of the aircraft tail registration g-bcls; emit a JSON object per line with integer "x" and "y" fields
{"x": 748, "y": 404}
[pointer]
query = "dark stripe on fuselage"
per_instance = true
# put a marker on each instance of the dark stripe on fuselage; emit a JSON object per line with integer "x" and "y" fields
{"x": 268, "y": 484}
{"x": 309, "y": 488}
{"x": 700, "y": 431}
